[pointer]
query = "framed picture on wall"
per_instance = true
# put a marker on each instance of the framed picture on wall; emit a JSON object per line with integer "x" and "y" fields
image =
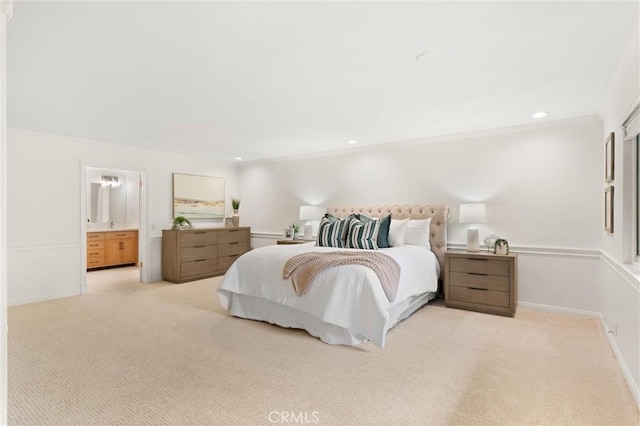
{"x": 609, "y": 160}
{"x": 608, "y": 209}
{"x": 198, "y": 197}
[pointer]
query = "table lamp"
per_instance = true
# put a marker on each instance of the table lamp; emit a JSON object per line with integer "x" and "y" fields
{"x": 309, "y": 214}
{"x": 472, "y": 213}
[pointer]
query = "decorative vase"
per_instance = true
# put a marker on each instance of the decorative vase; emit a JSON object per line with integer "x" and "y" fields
{"x": 236, "y": 218}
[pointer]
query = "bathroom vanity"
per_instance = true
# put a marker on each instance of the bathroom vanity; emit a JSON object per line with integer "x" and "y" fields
{"x": 112, "y": 248}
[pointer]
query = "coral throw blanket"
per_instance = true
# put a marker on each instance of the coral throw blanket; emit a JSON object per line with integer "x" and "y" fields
{"x": 306, "y": 267}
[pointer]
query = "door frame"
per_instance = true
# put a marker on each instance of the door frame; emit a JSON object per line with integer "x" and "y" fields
{"x": 143, "y": 219}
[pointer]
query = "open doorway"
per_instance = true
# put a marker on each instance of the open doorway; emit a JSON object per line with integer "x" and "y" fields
{"x": 113, "y": 226}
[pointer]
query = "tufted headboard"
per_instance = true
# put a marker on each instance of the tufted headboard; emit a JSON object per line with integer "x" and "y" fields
{"x": 437, "y": 212}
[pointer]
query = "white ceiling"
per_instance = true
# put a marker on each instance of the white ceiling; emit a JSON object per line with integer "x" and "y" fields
{"x": 263, "y": 80}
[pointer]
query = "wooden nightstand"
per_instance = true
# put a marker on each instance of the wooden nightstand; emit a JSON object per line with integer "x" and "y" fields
{"x": 293, "y": 241}
{"x": 481, "y": 281}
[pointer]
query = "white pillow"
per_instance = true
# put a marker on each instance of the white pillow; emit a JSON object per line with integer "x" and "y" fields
{"x": 418, "y": 233}
{"x": 397, "y": 232}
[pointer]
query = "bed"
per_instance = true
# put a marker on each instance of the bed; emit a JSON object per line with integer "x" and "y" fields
{"x": 346, "y": 304}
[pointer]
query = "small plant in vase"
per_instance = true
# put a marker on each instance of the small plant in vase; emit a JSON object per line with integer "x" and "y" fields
{"x": 181, "y": 222}
{"x": 235, "y": 205}
{"x": 296, "y": 231}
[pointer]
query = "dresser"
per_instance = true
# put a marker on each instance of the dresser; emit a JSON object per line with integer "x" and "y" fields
{"x": 112, "y": 248}
{"x": 194, "y": 254}
{"x": 481, "y": 281}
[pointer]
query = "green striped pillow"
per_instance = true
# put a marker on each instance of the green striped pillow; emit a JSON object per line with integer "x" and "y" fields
{"x": 332, "y": 231}
{"x": 363, "y": 235}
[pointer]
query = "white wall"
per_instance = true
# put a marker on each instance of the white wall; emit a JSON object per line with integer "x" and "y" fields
{"x": 44, "y": 195}
{"x": 619, "y": 275}
{"x": 541, "y": 184}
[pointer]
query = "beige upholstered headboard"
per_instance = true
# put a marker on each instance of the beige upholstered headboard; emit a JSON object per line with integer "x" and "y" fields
{"x": 437, "y": 212}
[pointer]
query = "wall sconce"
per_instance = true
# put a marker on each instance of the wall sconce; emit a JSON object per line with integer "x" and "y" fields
{"x": 110, "y": 181}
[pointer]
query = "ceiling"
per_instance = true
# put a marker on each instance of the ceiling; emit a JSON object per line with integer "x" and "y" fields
{"x": 263, "y": 80}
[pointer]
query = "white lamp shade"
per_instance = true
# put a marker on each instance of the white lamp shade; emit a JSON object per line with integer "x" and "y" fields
{"x": 472, "y": 213}
{"x": 311, "y": 212}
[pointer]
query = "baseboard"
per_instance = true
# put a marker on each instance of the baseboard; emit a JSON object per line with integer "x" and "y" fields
{"x": 635, "y": 392}
{"x": 559, "y": 309}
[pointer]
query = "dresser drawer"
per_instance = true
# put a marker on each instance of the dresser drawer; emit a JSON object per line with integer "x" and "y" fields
{"x": 225, "y": 262}
{"x": 233, "y": 248}
{"x": 484, "y": 297}
{"x": 198, "y": 238}
{"x": 121, "y": 235}
{"x": 92, "y": 245}
{"x": 479, "y": 266}
{"x": 198, "y": 267}
{"x": 234, "y": 236}
{"x": 198, "y": 252}
{"x": 483, "y": 281}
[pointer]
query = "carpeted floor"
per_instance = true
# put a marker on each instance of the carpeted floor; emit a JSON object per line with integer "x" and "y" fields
{"x": 151, "y": 354}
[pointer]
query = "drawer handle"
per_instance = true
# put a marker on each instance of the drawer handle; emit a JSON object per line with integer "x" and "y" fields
{"x": 235, "y": 242}
{"x": 477, "y": 273}
{"x": 199, "y": 232}
{"x": 478, "y": 288}
{"x": 478, "y": 260}
{"x": 200, "y": 260}
{"x": 233, "y": 230}
{"x": 198, "y": 246}
{"x": 234, "y": 255}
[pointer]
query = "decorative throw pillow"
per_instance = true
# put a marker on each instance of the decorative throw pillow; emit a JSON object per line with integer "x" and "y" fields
{"x": 418, "y": 232}
{"x": 383, "y": 232}
{"x": 332, "y": 231}
{"x": 397, "y": 232}
{"x": 363, "y": 235}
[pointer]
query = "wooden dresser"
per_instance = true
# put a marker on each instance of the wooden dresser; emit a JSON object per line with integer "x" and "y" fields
{"x": 194, "y": 254}
{"x": 111, "y": 248}
{"x": 481, "y": 281}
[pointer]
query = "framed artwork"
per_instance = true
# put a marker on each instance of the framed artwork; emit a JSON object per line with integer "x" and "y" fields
{"x": 609, "y": 161}
{"x": 608, "y": 209}
{"x": 287, "y": 234}
{"x": 198, "y": 197}
{"x": 228, "y": 222}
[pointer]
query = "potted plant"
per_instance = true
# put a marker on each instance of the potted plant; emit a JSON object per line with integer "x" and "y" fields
{"x": 296, "y": 230}
{"x": 235, "y": 205}
{"x": 180, "y": 222}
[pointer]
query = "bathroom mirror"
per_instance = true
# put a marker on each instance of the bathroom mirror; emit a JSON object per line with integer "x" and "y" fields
{"x": 112, "y": 198}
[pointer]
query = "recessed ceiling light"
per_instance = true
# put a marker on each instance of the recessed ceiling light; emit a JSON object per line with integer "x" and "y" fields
{"x": 238, "y": 158}
{"x": 352, "y": 142}
{"x": 539, "y": 114}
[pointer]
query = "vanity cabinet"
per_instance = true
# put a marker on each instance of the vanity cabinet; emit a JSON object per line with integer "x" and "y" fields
{"x": 195, "y": 254}
{"x": 111, "y": 248}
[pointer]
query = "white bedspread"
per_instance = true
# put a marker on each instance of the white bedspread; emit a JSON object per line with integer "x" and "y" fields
{"x": 349, "y": 296}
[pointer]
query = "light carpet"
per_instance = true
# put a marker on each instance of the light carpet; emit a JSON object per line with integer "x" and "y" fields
{"x": 155, "y": 354}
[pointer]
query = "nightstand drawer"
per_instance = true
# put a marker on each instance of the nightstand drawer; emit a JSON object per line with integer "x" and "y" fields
{"x": 484, "y": 297}
{"x": 472, "y": 279}
{"x": 479, "y": 266}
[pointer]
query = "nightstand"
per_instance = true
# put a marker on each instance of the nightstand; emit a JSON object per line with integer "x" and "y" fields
{"x": 481, "y": 281}
{"x": 286, "y": 242}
